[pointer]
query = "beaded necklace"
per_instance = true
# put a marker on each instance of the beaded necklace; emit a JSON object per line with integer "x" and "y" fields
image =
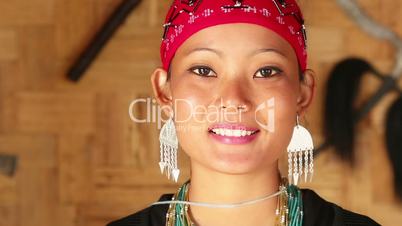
{"x": 289, "y": 211}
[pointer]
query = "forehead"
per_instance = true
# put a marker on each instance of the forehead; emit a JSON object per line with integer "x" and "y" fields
{"x": 240, "y": 37}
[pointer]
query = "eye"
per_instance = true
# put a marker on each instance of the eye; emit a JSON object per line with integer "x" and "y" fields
{"x": 267, "y": 72}
{"x": 202, "y": 71}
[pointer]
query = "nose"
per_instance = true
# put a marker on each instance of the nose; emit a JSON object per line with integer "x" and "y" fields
{"x": 234, "y": 94}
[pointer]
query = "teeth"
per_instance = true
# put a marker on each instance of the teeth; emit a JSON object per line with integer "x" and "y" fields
{"x": 232, "y": 133}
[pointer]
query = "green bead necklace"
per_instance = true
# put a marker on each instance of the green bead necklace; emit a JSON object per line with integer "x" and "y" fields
{"x": 289, "y": 211}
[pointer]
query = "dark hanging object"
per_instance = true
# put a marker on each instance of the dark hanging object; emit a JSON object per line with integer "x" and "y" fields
{"x": 8, "y": 164}
{"x": 394, "y": 142}
{"x": 342, "y": 89}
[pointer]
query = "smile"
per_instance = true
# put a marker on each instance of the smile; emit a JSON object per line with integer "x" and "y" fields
{"x": 233, "y": 133}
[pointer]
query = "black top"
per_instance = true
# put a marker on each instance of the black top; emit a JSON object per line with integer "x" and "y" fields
{"x": 317, "y": 212}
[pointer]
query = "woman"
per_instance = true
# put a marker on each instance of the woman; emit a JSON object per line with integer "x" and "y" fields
{"x": 235, "y": 82}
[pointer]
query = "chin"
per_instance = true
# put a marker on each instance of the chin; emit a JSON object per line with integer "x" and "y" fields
{"x": 235, "y": 161}
{"x": 232, "y": 158}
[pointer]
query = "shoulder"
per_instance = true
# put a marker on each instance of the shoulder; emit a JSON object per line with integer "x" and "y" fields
{"x": 150, "y": 216}
{"x": 318, "y": 211}
{"x": 139, "y": 218}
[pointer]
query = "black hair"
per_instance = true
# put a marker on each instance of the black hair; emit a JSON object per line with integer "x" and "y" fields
{"x": 394, "y": 142}
{"x": 339, "y": 113}
{"x": 169, "y": 73}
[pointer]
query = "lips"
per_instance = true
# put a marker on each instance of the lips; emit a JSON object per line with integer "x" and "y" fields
{"x": 233, "y": 133}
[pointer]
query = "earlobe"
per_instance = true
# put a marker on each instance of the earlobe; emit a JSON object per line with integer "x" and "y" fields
{"x": 160, "y": 86}
{"x": 307, "y": 92}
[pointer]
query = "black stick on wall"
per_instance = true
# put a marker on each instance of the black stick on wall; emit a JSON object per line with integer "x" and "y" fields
{"x": 101, "y": 38}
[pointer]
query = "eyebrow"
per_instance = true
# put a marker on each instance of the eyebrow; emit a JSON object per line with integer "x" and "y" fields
{"x": 219, "y": 53}
{"x": 258, "y": 51}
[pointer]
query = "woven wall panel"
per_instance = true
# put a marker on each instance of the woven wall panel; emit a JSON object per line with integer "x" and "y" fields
{"x": 83, "y": 162}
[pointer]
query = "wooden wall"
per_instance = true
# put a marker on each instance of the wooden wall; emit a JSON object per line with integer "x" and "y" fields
{"x": 83, "y": 162}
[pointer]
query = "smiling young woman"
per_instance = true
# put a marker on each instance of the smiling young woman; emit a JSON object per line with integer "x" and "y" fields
{"x": 235, "y": 80}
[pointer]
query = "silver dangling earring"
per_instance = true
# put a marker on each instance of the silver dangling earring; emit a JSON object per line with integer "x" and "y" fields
{"x": 300, "y": 144}
{"x": 168, "y": 150}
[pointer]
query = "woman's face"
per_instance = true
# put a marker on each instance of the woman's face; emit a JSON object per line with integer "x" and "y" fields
{"x": 234, "y": 65}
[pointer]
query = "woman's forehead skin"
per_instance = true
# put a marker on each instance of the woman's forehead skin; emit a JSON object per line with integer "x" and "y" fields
{"x": 244, "y": 40}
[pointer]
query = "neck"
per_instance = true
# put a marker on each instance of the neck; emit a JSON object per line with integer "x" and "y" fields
{"x": 214, "y": 187}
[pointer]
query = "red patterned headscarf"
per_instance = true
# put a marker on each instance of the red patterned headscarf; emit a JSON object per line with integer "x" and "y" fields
{"x": 186, "y": 17}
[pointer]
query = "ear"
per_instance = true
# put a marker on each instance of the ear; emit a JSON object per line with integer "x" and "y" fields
{"x": 161, "y": 89}
{"x": 307, "y": 92}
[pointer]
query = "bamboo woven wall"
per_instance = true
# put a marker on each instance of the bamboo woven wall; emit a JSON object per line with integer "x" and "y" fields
{"x": 82, "y": 162}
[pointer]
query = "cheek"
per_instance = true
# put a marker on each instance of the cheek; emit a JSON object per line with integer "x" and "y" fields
{"x": 285, "y": 107}
{"x": 285, "y": 118}
{"x": 191, "y": 99}
{"x": 285, "y": 112}
{"x": 278, "y": 107}
{"x": 277, "y": 120}
{"x": 190, "y": 108}
{"x": 183, "y": 108}
{"x": 184, "y": 121}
